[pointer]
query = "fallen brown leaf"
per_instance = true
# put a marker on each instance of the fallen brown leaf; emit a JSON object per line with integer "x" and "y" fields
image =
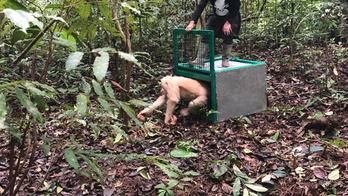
{"x": 227, "y": 188}
{"x": 320, "y": 173}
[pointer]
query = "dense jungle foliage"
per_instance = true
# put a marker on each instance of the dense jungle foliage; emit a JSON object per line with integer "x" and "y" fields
{"x": 75, "y": 73}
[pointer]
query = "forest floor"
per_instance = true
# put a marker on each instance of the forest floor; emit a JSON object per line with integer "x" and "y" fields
{"x": 285, "y": 141}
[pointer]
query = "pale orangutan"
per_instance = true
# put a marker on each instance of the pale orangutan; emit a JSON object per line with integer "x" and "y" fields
{"x": 174, "y": 89}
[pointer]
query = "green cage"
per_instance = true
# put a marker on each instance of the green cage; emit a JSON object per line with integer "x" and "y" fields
{"x": 237, "y": 90}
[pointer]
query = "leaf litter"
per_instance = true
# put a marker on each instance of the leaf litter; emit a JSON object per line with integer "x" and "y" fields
{"x": 302, "y": 114}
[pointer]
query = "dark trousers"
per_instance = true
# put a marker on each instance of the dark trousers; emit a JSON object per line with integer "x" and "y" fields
{"x": 215, "y": 23}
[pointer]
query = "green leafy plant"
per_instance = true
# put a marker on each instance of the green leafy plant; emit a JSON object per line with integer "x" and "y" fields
{"x": 172, "y": 171}
{"x": 166, "y": 190}
{"x": 274, "y": 139}
{"x": 94, "y": 170}
{"x": 184, "y": 150}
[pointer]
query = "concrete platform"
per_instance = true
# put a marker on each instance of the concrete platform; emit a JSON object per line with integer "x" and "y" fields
{"x": 236, "y": 90}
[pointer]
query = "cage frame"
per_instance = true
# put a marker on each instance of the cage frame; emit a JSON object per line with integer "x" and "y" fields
{"x": 204, "y": 75}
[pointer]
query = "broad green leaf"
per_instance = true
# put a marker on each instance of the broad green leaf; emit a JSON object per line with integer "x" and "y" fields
{"x": 96, "y": 131}
{"x": 83, "y": 122}
{"x": 94, "y": 168}
{"x": 180, "y": 153}
{"x": 54, "y": 6}
{"x": 256, "y": 188}
{"x": 162, "y": 192}
{"x": 18, "y": 35}
{"x": 316, "y": 148}
{"x": 318, "y": 115}
{"x": 86, "y": 87}
{"x": 236, "y": 187}
{"x": 45, "y": 86}
{"x": 171, "y": 174}
{"x": 59, "y": 189}
{"x": 119, "y": 131}
{"x": 270, "y": 187}
{"x": 28, "y": 104}
{"x": 130, "y": 19}
{"x": 118, "y": 138}
{"x": 109, "y": 90}
{"x": 187, "y": 179}
{"x": 139, "y": 103}
{"x": 220, "y": 170}
{"x": 97, "y": 88}
{"x": 46, "y": 149}
{"x": 77, "y": 24}
{"x": 40, "y": 101}
{"x": 170, "y": 192}
{"x": 140, "y": 168}
{"x": 279, "y": 173}
{"x": 21, "y": 18}
{"x": 104, "y": 9}
{"x": 73, "y": 60}
{"x": 112, "y": 30}
{"x": 145, "y": 175}
{"x": 13, "y": 4}
{"x": 181, "y": 186}
{"x": 339, "y": 143}
{"x": 128, "y": 57}
{"x": 229, "y": 158}
{"x": 160, "y": 186}
{"x": 105, "y": 104}
{"x": 82, "y": 172}
{"x": 334, "y": 175}
{"x": 172, "y": 183}
{"x": 13, "y": 130}
{"x": 247, "y": 120}
{"x": 247, "y": 151}
{"x": 33, "y": 90}
{"x": 92, "y": 29}
{"x": 3, "y": 110}
{"x": 126, "y": 5}
{"x": 266, "y": 178}
{"x": 7, "y": 29}
{"x": 243, "y": 176}
{"x": 84, "y": 10}
{"x": 81, "y": 104}
{"x": 83, "y": 30}
{"x": 71, "y": 158}
{"x": 275, "y": 137}
{"x": 329, "y": 113}
{"x": 45, "y": 139}
{"x": 65, "y": 42}
{"x": 192, "y": 173}
{"x": 253, "y": 194}
{"x": 245, "y": 192}
{"x": 2, "y": 122}
{"x": 130, "y": 112}
{"x": 100, "y": 66}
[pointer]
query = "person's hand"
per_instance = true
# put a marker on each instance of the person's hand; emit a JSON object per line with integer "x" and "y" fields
{"x": 190, "y": 26}
{"x": 227, "y": 28}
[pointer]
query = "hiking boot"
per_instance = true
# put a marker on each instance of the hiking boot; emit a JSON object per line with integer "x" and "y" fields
{"x": 202, "y": 54}
{"x": 226, "y": 53}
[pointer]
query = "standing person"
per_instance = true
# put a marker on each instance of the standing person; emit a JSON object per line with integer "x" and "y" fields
{"x": 224, "y": 21}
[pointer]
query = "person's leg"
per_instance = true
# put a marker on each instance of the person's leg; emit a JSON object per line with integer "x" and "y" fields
{"x": 228, "y": 40}
{"x": 226, "y": 50}
{"x": 202, "y": 54}
{"x": 203, "y": 48}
